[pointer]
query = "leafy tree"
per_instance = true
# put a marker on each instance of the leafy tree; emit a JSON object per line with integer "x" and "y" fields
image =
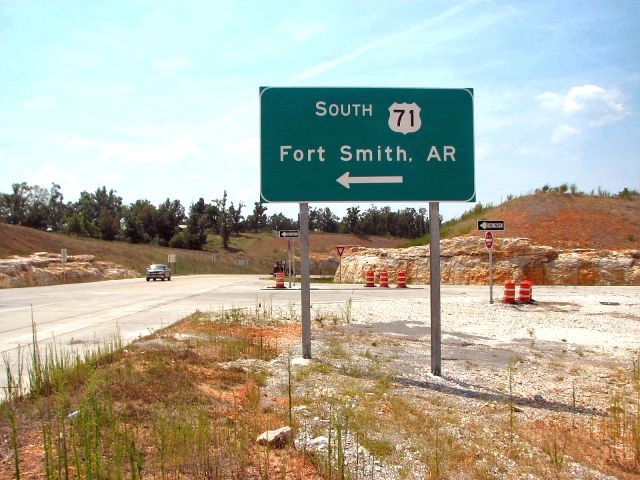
{"x": 57, "y": 208}
{"x": 74, "y": 225}
{"x": 87, "y": 209}
{"x": 195, "y": 235}
{"x": 169, "y": 216}
{"x": 257, "y": 221}
{"x": 37, "y": 208}
{"x": 108, "y": 224}
{"x": 323, "y": 220}
{"x": 223, "y": 220}
{"x": 350, "y": 223}
{"x": 14, "y": 205}
{"x": 212, "y": 214}
{"x": 278, "y": 221}
{"x": 139, "y": 221}
{"x": 235, "y": 217}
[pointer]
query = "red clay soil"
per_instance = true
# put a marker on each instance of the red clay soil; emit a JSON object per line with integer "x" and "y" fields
{"x": 572, "y": 221}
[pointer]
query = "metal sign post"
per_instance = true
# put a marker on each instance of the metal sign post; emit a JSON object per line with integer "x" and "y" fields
{"x": 488, "y": 226}
{"x": 340, "y": 250}
{"x": 63, "y": 259}
{"x": 305, "y": 294}
{"x": 434, "y": 249}
{"x": 488, "y": 240}
{"x": 289, "y": 256}
{"x": 171, "y": 260}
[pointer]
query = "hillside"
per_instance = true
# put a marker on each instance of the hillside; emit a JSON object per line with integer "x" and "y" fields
{"x": 563, "y": 221}
{"x": 261, "y": 250}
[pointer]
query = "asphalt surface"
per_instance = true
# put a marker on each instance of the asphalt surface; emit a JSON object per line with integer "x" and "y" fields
{"x": 79, "y": 316}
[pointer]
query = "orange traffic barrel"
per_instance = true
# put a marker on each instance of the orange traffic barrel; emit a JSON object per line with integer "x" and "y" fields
{"x": 370, "y": 279}
{"x": 280, "y": 280}
{"x": 509, "y": 292}
{"x": 402, "y": 279}
{"x": 384, "y": 279}
{"x": 524, "y": 294}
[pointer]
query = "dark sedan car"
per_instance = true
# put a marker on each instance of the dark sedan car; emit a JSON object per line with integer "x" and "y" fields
{"x": 158, "y": 270}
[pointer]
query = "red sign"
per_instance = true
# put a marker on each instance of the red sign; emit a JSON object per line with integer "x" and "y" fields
{"x": 488, "y": 239}
{"x": 340, "y": 249}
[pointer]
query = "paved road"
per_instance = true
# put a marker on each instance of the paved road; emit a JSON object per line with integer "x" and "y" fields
{"x": 76, "y": 316}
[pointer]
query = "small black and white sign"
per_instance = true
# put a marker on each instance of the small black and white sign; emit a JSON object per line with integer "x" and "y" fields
{"x": 289, "y": 233}
{"x": 484, "y": 225}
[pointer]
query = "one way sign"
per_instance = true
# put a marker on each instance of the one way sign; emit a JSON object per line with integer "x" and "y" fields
{"x": 484, "y": 225}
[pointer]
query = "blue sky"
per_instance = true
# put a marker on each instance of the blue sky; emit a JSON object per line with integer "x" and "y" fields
{"x": 159, "y": 99}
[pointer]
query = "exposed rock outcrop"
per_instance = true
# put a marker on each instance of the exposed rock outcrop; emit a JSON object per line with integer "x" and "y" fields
{"x": 464, "y": 260}
{"x": 43, "y": 268}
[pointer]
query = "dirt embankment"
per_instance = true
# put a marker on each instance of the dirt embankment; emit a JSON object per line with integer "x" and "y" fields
{"x": 566, "y": 221}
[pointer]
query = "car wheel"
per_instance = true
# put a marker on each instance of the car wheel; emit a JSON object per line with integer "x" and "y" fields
{"x": 154, "y": 279}
{"x": 148, "y": 279}
{"x": 169, "y": 279}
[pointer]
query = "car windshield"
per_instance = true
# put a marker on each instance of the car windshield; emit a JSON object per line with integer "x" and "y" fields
{"x": 156, "y": 266}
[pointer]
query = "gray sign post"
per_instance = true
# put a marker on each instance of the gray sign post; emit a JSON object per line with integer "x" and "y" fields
{"x": 305, "y": 294}
{"x": 489, "y": 226}
{"x": 434, "y": 269}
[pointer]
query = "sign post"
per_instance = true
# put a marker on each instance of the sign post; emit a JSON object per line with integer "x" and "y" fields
{"x": 434, "y": 288}
{"x": 362, "y": 145}
{"x": 305, "y": 293}
{"x": 489, "y": 226}
{"x": 340, "y": 250}
{"x": 63, "y": 259}
{"x": 171, "y": 260}
{"x": 488, "y": 240}
{"x": 290, "y": 235}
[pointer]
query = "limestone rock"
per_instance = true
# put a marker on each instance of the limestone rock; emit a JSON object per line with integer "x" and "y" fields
{"x": 276, "y": 438}
{"x": 464, "y": 260}
{"x": 43, "y": 268}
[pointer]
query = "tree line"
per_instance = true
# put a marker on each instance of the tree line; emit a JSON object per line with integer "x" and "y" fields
{"x": 102, "y": 214}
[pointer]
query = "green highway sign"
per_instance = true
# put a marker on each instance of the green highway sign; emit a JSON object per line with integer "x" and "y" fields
{"x": 366, "y": 144}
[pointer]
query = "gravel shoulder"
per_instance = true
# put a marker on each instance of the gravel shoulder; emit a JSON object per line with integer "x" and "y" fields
{"x": 543, "y": 390}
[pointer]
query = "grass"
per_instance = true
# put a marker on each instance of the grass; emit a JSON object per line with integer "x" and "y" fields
{"x": 172, "y": 405}
{"x": 261, "y": 250}
{"x": 186, "y": 402}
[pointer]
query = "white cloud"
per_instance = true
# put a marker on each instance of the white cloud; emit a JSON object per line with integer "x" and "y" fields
{"x": 75, "y": 141}
{"x": 249, "y": 146}
{"x": 597, "y": 104}
{"x": 50, "y": 172}
{"x": 302, "y": 31}
{"x": 180, "y": 150}
{"x": 38, "y": 103}
{"x": 171, "y": 63}
{"x": 382, "y": 42}
{"x": 563, "y": 132}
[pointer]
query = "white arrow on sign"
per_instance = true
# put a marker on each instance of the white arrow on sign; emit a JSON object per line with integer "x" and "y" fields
{"x": 345, "y": 180}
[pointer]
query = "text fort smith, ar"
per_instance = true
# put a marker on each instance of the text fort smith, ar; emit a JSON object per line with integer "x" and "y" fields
{"x": 347, "y": 153}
